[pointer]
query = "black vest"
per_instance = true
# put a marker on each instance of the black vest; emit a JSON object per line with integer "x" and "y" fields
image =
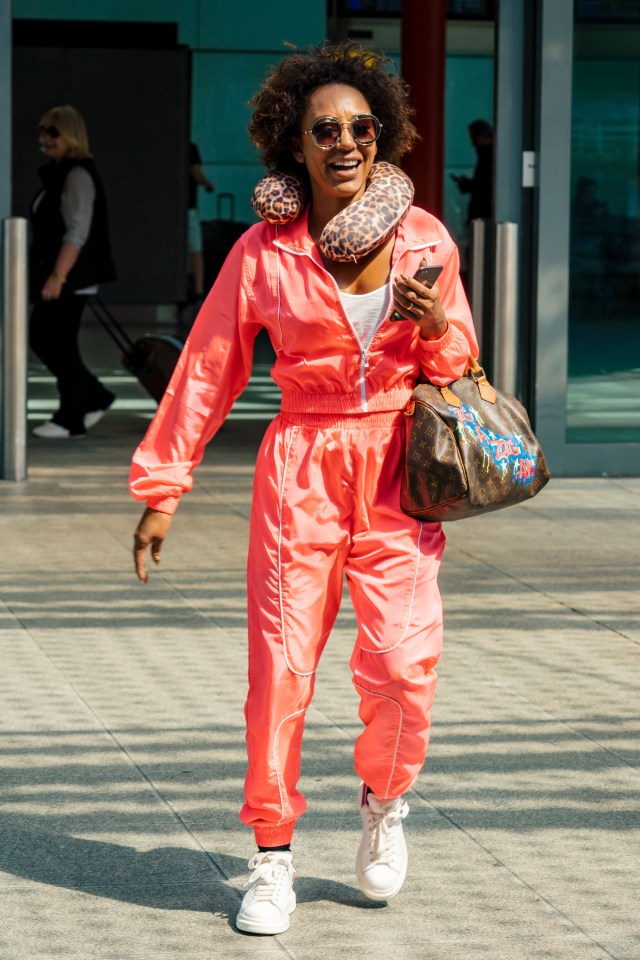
{"x": 94, "y": 263}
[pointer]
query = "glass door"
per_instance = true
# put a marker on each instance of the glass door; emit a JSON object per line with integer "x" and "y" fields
{"x": 586, "y": 242}
{"x": 603, "y": 367}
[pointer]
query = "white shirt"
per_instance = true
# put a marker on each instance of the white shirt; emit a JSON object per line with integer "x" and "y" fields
{"x": 366, "y": 311}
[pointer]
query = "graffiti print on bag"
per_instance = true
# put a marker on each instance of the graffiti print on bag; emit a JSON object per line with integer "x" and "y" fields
{"x": 507, "y": 453}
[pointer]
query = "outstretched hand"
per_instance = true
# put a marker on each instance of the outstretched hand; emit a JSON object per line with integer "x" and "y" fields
{"x": 150, "y": 532}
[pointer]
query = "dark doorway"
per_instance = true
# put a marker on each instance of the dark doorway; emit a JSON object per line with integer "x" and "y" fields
{"x": 131, "y": 82}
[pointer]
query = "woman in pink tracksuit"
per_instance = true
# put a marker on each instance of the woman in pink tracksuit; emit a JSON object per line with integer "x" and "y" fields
{"x": 326, "y": 494}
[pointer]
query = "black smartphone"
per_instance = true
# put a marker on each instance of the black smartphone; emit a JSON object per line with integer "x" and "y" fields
{"x": 425, "y": 275}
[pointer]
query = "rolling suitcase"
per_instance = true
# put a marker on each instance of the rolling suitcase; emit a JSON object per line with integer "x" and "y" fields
{"x": 218, "y": 236}
{"x": 151, "y": 358}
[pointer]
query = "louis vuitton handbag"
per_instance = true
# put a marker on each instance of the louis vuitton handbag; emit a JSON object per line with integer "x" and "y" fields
{"x": 470, "y": 450}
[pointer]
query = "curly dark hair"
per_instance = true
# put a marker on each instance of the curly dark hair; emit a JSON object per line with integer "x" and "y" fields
{"x": 282, "y": 100}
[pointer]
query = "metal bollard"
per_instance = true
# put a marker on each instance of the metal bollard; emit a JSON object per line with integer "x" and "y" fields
{"x": 477, "y": 269}
{"x": 13, "y": 401}
{"x": 505, "y": 341}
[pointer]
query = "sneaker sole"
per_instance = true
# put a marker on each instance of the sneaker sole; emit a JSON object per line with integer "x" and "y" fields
{"x": 381, "y": 895}
{"x": 71, "y": 436}
{"x": 91, "y": 419}
{"x": 251, "y": 925}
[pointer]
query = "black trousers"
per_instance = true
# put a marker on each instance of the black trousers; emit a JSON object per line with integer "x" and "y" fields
{"x": 53, "y": 337}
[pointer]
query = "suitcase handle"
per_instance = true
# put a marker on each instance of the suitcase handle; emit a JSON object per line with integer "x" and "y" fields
{"x": 106, "y": 319}
{"x": 231, "y": 201}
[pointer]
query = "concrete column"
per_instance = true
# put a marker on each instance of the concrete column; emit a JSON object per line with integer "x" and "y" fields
{"x": 553, "y": 219}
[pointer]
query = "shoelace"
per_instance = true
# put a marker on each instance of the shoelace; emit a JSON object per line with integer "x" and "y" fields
{"x": 381, "y": 831}
{"x": 269, "y": 872}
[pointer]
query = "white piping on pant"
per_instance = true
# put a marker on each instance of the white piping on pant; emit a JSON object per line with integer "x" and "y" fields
{"x": 276, "y": 759}
{"x": 298, "y": 673}
{"x": 411, "y": 601}
{"x": 395, "y": 752}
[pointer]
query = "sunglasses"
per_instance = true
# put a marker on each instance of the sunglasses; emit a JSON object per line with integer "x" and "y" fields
{"x": 326, "y": 132}
{"x": 52, "y": 132}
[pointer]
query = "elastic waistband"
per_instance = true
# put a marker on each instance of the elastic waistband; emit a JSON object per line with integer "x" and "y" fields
{"x": 355, "y": 421}
{"x": 344, "y": 404}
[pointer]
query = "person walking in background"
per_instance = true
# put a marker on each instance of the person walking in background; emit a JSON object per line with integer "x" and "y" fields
{"x": 70, "y": 254}
{"x": 327, "y": 484}
{"x": 480, "y": 185}
{"x": 197, "y": 179}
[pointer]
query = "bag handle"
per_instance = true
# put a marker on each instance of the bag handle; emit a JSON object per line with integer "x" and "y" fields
{"x": 476, "y": 373}
{"x": 479, "y": 377}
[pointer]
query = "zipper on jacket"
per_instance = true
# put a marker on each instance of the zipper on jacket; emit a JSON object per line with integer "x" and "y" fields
{"x": 364, "y": 356}
{"x": 363, "y": 347}
{"x": 364, "y": 363}
{"x": 364, "y": 359}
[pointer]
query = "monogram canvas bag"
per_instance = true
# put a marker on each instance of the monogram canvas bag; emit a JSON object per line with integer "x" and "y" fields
{"x": 470, "y": 450}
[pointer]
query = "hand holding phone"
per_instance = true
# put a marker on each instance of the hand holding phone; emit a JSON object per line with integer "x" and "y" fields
{"x": 427, "y": 276}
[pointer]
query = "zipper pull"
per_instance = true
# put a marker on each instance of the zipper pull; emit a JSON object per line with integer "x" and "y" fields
{"x": 365, "y": 359}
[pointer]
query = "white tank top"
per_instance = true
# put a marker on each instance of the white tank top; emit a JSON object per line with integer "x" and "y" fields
{"x": 366, "y": 311}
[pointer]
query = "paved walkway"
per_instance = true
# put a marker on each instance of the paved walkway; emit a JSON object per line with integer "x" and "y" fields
{"x": 122, "y": 730}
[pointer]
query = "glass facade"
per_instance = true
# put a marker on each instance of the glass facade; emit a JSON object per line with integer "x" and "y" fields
{"x": 603, "y": 385}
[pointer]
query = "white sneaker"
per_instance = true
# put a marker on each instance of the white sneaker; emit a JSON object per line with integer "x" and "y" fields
{"x": 95, "y": 416}
{"x": 90, "y": 419}
{"x": 53, "y": 431}
{"x": 269, "y": 899}
{"x": 381, "y": 861}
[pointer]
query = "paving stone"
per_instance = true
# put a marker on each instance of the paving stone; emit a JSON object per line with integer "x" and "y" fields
{"x": 122, "y": 740}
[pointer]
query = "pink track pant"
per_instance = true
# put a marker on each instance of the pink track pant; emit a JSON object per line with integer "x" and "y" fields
{"x": 326, "y": 498}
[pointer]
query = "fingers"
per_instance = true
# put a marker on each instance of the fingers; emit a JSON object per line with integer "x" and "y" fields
{"x": 417, "y": 302}
{"x": 406, "y": 302}
{"x": 140, "y": 546}
{"x": 139, "y": 558}
{"x": 156, "y": 547}
{"x": 149, "y": 535}
{"x": 414, "y": 299}
{"x": 51, "y": 289}
{"x": 420, "y": 290}
{"x": 409, "y": 309}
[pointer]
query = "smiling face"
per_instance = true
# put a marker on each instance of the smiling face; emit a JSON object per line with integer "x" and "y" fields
{"x": 338, "y": 174}
{"x": 53, "y": 147}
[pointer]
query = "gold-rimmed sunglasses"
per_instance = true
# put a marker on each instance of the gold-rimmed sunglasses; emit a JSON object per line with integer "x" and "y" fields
{"x": 326, "y": 132}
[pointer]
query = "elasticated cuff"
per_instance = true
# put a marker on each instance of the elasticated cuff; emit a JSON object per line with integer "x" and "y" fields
{"x": 164, "y": 504}
{"x": 275, "y": 836}
{"x": 436, "y": 346}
